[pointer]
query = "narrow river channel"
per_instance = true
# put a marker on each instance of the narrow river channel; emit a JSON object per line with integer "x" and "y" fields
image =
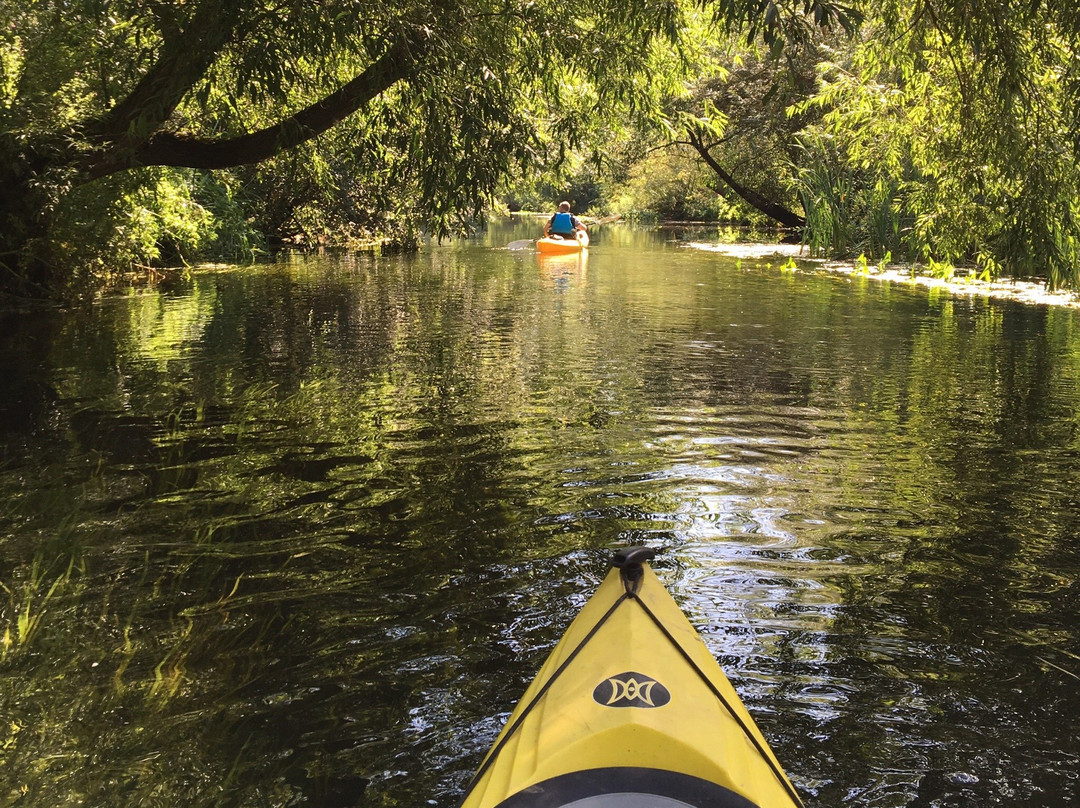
{"x": 301, "y": 534}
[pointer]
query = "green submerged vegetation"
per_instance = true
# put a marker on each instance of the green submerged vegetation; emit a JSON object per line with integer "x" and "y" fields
{"x": 135, "y": 135}
{"x": 299, "y": 535}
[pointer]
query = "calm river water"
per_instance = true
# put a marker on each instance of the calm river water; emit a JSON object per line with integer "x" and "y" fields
{"x": 301, "y": 534}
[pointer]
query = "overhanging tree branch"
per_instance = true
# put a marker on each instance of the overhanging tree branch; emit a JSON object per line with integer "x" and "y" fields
{"x": 771, "y": 209}
{"x": 185, "y": 57}
{"x": 172, "y": 149}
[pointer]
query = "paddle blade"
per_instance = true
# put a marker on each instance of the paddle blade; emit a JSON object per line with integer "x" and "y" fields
{"x": 521, "y": 244}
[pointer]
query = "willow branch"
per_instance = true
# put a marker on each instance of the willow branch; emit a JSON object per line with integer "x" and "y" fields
{"x": 178, "y": 150}
{"x": 186, "y": 55}
{"x": 771, "y": 209}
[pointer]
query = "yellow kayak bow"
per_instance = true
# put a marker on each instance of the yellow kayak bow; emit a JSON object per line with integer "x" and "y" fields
{"x": 630, "y": 711}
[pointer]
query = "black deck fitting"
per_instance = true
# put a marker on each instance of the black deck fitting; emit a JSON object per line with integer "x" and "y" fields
{"x": 629, "y": 561}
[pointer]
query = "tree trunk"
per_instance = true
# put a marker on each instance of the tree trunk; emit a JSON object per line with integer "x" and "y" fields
{"x": 26, "y": 206}
{"x": 773, "y": 210}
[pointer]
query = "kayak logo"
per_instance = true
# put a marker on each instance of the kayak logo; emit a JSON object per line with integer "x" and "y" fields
{"x": 631, "y": 690}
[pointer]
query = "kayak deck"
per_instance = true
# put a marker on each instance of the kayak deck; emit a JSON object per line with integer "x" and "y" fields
{"x": 630, "y": 710}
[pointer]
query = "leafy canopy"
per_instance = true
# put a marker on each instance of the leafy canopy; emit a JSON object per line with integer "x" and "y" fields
{"x": 950, "y": 137}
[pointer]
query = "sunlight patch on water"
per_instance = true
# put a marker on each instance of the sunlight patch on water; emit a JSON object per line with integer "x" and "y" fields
{"x": 963, "y": 285}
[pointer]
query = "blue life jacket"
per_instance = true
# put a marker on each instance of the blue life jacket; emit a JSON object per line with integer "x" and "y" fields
{"x": 562, "y": 224}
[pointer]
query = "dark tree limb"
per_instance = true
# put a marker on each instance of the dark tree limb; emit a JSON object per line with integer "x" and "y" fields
{"x": 186, "y": 55}
{"x": 773, "y": 210}
{"x": 172, "y": 149}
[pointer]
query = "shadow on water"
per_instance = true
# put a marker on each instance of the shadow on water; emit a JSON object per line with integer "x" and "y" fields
{"x": 301, "y": 535}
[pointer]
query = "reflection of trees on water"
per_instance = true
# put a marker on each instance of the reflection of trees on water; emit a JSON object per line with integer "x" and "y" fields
{"x": 318, "y": 518}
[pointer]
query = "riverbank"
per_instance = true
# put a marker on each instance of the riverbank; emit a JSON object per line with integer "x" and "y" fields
{"x": 960, "y": 284}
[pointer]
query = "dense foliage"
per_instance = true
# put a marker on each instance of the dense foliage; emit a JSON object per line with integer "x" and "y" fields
{"x": 950, "y": 139}
{"x": 942, "y": 133}
{"x": 430, "y": 105}
{"x": 135, "y": 132}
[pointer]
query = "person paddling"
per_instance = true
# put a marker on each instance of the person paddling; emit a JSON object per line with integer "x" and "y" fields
{"x": 564, "y": 223}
